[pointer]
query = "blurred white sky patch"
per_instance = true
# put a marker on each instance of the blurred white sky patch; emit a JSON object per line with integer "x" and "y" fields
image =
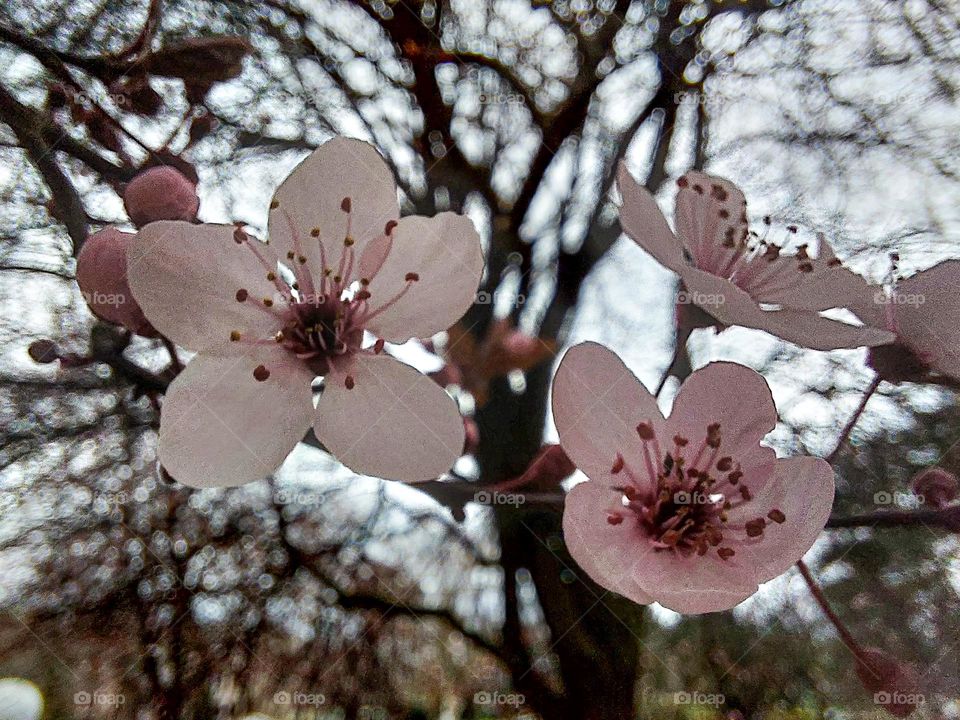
{"x": 20, "y": 700}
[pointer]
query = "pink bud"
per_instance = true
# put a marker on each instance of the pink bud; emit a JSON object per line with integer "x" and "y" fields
{"x": 447, "y": 375}
{"x": 937, "y": 487}
{"x": 102, "y": 277}
{"x": 894, "y": 685}
{"x": 161, "y": 193}
{"x": 471, "y": 435}
{"x": 548, "y": 468}
{"x": 43, "y": 351}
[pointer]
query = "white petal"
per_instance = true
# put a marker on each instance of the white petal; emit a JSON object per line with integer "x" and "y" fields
{"x": 445, "y": 253}
{"x": 928, "y": 315}
{"x": 597, "y": 405}
{"x": 642, "y": 221}
{"x": 186, "y": 277}
{"x": 394, "y": 423}
{"x": 312, "y": 198}
{"x": 612, "y": 555}
{"x": 221, "y": 427}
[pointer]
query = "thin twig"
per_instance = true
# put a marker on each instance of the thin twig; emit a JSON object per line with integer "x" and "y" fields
{"x": 851, "y": 423}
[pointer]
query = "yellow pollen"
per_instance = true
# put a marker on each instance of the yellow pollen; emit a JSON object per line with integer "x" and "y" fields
{"x": 348, "y": 241}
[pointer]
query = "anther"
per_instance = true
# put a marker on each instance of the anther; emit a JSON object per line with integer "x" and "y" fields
{"x": 267, "y": 302}
{"x": 777, "y": 516}
{"x": 726, "y": 553}
{"x": 271, "y": 276}
{"x": 682, "y": 181}
{"x": 617, "y": 464}
{"x": 735, "y": 476}
{"x": 411, "y": 277}
{"x": 349, "y": 382}
{"x": 645, "y": 431}
{"x": 713, "y": 435}
{"x": 391, "y": 224}
{"x": 274, "y": 204}
{"x": 346, "y": 205}
{"x": 755, "y": 527}
{"x": 242, "y": 295}
{"x": 315, "y": 232}
{"x": 680, "y": 441}
{"x": 724, "y": 464}
{"x": 260, "y": 373}
{"x": 614, "y": 518}
{"x": 348, "y": 241}
{"x": 745, "y": 493}
{"x": 234, "y": 336}
{"x": 378, "y": 346}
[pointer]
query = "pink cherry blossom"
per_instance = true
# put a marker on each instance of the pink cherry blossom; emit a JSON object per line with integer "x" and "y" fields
{"x": 741, "y": 279}
{"x": 689, "y": 511}
{"x": 102, "y": 277}
{"x": 922, "y": 312}
{"x": 160, "y": 193}
{"x": 267, "y": 318}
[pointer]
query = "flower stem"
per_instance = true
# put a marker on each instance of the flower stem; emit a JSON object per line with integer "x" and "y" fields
{"x": 851, "y": 423}
{"x": 845, "y": 635}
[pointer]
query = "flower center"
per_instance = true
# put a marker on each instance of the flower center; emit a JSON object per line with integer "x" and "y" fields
{"x": 322, "y": 314}
{"x": 683, "y": 503}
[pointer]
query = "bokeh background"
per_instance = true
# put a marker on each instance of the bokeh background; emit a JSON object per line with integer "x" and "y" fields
{"x": 316, "y": 593}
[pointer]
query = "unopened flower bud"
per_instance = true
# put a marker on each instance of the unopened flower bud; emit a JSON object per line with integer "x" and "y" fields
{"x": 161, "y": 193}
{"x": 893, "y": 684}
{"x": 102, "y": 277}
{"x": 937, "y": 487}
{"x": 471, "y": 435}
{"x": 548, "y": 468}
{"x": 43, "y": 351}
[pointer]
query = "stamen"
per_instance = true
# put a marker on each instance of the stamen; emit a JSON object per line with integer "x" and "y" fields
{"x": 260, "y": 373}
{"x": 617, "y": 465}
{"x": 777, "y": 516}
